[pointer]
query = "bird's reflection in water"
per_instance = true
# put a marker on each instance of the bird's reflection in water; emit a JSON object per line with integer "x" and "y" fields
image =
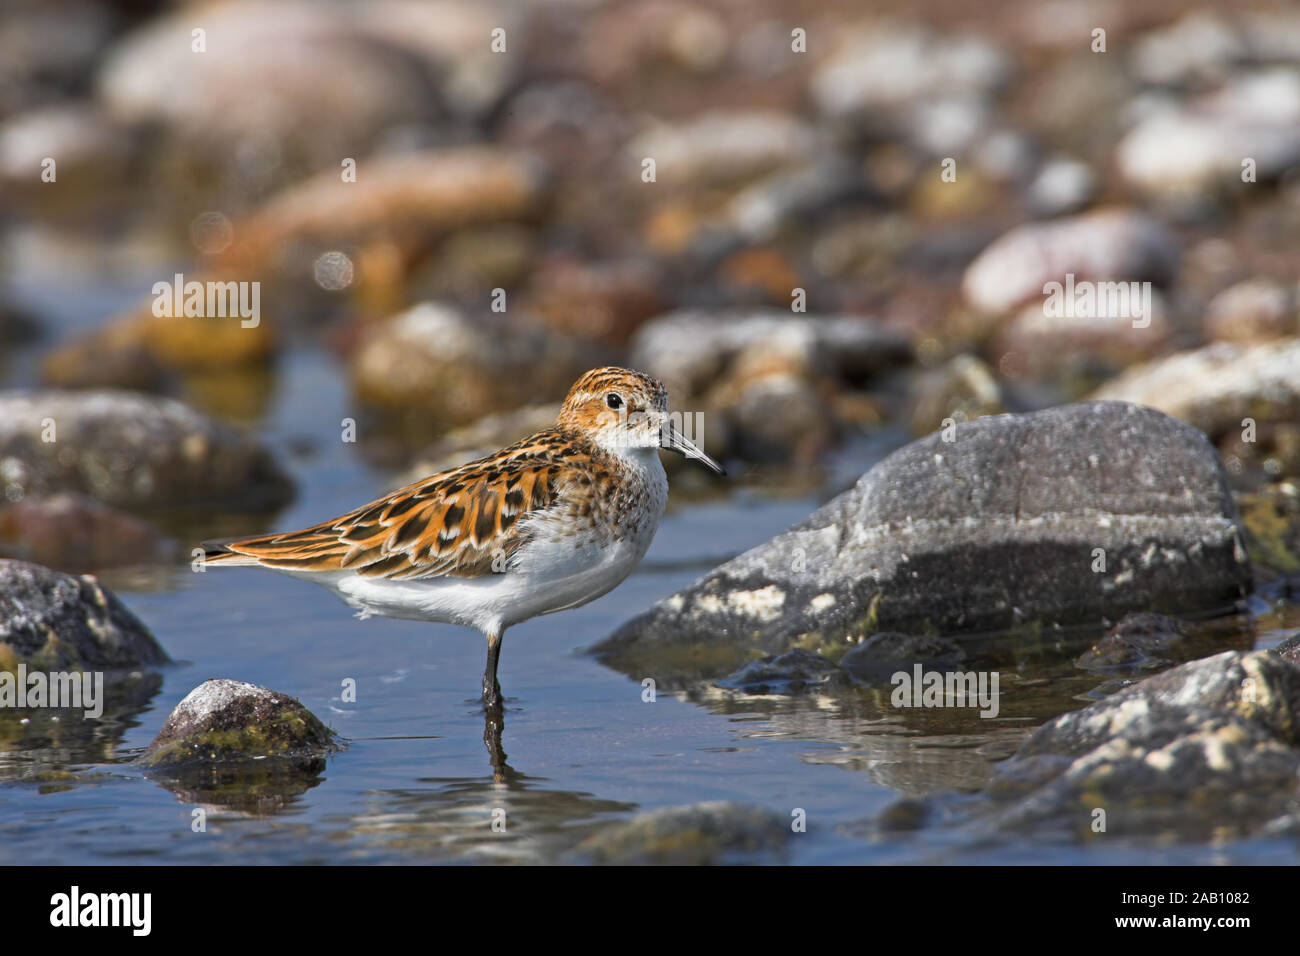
{"x": 494, "y": 725}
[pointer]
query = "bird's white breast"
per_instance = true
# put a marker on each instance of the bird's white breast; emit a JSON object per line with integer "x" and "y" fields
{"x": 565, "y": 563}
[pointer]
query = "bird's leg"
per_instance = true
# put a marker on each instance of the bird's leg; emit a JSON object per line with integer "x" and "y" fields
{"x": 492, "y": 689}
{"x": 494, "y": 718}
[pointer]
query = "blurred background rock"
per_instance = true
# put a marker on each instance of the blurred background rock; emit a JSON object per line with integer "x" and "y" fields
{"x": 499, "y": 236}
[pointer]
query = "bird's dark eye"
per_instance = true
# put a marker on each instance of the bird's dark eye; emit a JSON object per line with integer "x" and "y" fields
{"x": 614, "y": 400}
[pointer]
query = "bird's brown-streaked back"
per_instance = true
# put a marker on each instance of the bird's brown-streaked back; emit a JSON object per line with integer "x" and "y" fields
{"x": 470, "y": 521}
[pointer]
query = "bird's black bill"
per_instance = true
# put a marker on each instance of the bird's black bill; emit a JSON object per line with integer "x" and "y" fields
{"x": 673, "y": 440}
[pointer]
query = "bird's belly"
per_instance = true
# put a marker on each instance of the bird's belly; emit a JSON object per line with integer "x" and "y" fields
{"x": 549, "y": 582}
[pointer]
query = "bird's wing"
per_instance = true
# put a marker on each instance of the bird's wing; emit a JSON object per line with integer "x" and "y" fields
{"x": 466, "y": 522}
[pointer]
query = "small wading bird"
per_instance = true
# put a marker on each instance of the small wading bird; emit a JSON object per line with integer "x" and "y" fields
{"x": 549, "y": 523}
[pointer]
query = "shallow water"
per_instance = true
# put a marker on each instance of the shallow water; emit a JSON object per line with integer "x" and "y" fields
{"x": 415, "y": 783}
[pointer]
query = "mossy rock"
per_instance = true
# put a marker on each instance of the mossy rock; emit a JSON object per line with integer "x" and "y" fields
{"x": 228, "y": 722}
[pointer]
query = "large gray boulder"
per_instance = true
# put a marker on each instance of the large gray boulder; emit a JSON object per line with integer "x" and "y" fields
{"x": 1007, "y": 525}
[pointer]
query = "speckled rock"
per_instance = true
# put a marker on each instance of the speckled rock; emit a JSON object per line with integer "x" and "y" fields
{"x": 1223, "y": 729}
{"x": 1108, "y": 246}
{"x": 1217, "y": 386}
{"x": 1001, "y": 527}
{"x": 55, "y": 621}
{"x": 229, "y": 721}
{"x": 697, "y": 835}
{"x": 131, "y": 451}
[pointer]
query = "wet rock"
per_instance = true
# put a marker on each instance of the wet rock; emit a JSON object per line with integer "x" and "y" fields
{"x": 1252, "y": 311}
{"x": 697, "y": 835}
{"x": 438, "y": 365}
{"x": 882, "y": 655}
{"x": 55, "y": 622}
{"x": 131, "y": 451}
{"x": 794, "y": 672}
{"x": 1001, "y": 527}
{"x": 1216, "y": 387}
{"x": 876, "y": 69}
{"x": 962, "y": 389}
{"x": 1195, "y": 152}
{"x": 1139, "y": 641}
{"x": 228, "y": 721}
{"x": 723, "y": 147}
{"x": 73, "y": 533}
{"x": 1223, "y": 728}
{"x": 1107, "y": 246}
